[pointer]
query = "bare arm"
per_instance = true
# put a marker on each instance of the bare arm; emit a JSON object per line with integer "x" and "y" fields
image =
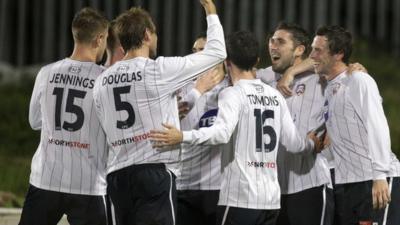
{"x": 287, "y": 78}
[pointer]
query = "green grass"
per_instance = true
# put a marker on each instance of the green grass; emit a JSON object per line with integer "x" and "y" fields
{"x": 14, "y": 176}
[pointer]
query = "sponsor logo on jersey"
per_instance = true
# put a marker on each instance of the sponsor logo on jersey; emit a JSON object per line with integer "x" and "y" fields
{"x": 208, "y": 118}
{"x": 74, "y": 69}
{"x": 259, "y": 88}
{"x": 271, "y": 165}
{"x": 122, "y": 68}
{"x": 300, "y": 89}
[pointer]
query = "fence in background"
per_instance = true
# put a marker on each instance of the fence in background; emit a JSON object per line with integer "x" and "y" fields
{"x": 38, "y": 31}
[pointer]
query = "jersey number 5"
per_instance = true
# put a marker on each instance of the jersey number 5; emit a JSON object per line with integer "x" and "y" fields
{"x": 70, "y": 108}
{"x": 269, "y": 130}
{"x": 121, "y": 105}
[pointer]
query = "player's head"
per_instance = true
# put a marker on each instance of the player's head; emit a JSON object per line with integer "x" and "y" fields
{"x": 114, "y": 48}
{"x": 136, "y": 29}
{"x": 331, "y": 45}
{"x": 242, "y": 50}
{"x": 199, "y": 43}
{"x": 288, "y": 43}
{"x": 90, "y": 28}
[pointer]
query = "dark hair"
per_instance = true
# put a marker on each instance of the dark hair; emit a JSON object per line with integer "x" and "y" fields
{"x": 131, "y": 27}
{"x": 112, "y": 40}
{"x": 242, "y": 49}
{"x": 339, "y": 40}
{"x": 299, "y": 36}
{"x": 88, "y": 23}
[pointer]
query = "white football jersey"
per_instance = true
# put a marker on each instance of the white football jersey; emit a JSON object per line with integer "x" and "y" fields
{"x": 201, "y": 165}
{"x": 137, "y": 95}
{"x": 71, "y": 156}
{"x": 298, "y": 172}
{"x": 358, "y": 129}
{"x": 257, "y": 118}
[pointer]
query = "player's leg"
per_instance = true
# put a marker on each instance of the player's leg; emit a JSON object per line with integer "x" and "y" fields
{"x": 209, "y": 206}
{"x": 85, "y": 209}
{"x": 317, "y": 208}
{"x": 356, "y": 203}
{"x": 41, "y": 207}
{"x": 154, "y": 195}
{"x": 188, "y": 207}
{"x": 232, "y": 216}
{"x": 118, "y": 189}
{"x": 283, "y": 217}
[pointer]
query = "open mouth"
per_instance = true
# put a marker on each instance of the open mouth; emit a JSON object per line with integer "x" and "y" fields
{"x": 275, "y": 58}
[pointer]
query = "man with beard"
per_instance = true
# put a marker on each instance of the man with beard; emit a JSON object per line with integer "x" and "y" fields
{"x": 304, "y": 178}
{"x": 136, "y": 95}
{"x": 255, "y": 118}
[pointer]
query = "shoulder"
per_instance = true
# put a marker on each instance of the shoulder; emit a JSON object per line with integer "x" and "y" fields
{"x": 361, "y": 80}
{"x": 267, "y": 75}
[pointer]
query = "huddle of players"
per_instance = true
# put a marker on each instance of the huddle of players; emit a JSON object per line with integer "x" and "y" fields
{"x": 112, "y": 131}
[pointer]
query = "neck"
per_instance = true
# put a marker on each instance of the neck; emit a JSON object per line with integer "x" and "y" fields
{"x": 297, "y": 60}
{"x": 238, "y": 74}
{"x": 139, "y": 52}
{"x": 84, "y": 53}
{"x": 337, "y": 69}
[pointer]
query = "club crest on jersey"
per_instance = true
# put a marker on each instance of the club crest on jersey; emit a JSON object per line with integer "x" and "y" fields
{"x": 300, "y": 89}
{"x": 74, "y": 69}
{"x": 122, "y": 68}
{"x": 259, "y": 88}
{"x": 336, "y": 87}
{"x": 208, "y": 118}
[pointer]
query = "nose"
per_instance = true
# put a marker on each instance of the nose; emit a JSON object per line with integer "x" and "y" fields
{"x": 312, "y": 54}
{"x": 272, "y": 45}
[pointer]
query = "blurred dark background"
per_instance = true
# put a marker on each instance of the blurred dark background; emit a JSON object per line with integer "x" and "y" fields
{"x": 37, "y": 32}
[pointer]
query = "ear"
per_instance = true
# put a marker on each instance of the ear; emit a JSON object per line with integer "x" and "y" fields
{"x": 299, "y": 50}
{"x": 339, "y": 56}
{"x": 147, "y": 35}
{"x": 99, "y": 39}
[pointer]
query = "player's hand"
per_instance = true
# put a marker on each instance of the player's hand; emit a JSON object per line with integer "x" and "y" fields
{"x": 209, "y": 80}
{"x": 380, "y": 194}
{"x": 326, "y": 141}
{"x": 284, "y": 83}
{"x": 353, "y": 67}
{"x": 183, "y": 109}
{"x": 287, "y": 78}
{"x": 318, "y": 144}
{"x": 168, "y": 137}
{"x": 209, "y": 6}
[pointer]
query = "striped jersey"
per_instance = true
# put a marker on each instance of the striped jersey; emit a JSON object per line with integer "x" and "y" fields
{"x": 201, "y": 164}
{"x": 137, "y": 95}
{"x": 256, "y": 117}
{"x": 298, "y": 172}
{"x": 71, "y": 156}
{"x": 358, "y": 129}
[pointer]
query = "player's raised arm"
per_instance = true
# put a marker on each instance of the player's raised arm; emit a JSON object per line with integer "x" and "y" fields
{"x": 188, "y": 67}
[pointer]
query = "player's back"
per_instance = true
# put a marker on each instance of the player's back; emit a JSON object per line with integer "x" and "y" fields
{"x": 249, "y": 171}
{"x": 133, "y": 97}
{"x": 71, "y": 156}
